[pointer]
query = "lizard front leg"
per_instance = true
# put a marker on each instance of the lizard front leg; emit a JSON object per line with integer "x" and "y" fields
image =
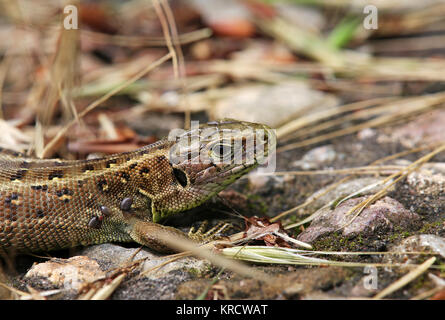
{"x": 151, "y": 235}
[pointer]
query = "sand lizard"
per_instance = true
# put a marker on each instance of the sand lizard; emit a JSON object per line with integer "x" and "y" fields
{"x": 55, "y": 204}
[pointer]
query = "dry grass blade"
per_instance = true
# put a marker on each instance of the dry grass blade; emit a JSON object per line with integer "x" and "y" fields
{"x": 16, "y": 291}
{"x": 306, "y": 203}
{"x": 106, "y": 291}
{"x": 104, "y": 287}
{"x": 417, "y": 43}
{"x": 107, "y": 126}
{"x": 60, "y": 81}
{"x": 412, "y": 167}
{"x": 352, "y": 63}
{"x": 356, "y": 115}
{"x": 410, "y": 276}
{"x": 427, "y": 294}
{"x": 177, "y": 54}
{"x": 203, "y": 252}
{"x": 274, "y": 255}
{"x": 259, "y": 233}
{"x": 3, "y": 71}
{"x": 165, "y": 29}
{"x": 333, "y": 203}
{"x": 12, "y": 137}
{"x": 306, "y": 120}
{"x": 31, "y": 295}
{"x": 440, "y": 286}
{"x": 404, "y": 108}
{"x": 39, "y": 295}
{"x": 354, "y": 170}
{"x": 301, "y": 41}
{"x": 407, "y": 152}
{"x": 139, "y": 41}
{"x": 173, "y": 258}
{"x": 295, "y": 242}
{"x": 51, "y": 145}
{"x": 280, "y": 255}
{"x": 102, "y": 83}
{"x": 387, "y": 69}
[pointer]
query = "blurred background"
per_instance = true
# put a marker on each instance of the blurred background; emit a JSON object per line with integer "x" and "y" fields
{"x": 162, "y": 63}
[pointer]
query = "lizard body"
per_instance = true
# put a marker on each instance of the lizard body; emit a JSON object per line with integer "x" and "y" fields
{"x": 55, "y": 204}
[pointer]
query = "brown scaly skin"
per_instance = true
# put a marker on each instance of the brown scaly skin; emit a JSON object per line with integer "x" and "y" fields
{"x": 54, "y": 204}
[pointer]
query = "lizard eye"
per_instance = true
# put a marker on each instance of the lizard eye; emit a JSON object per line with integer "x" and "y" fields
{"x": 221, "y": 152}
{"x": 180, "y": 177}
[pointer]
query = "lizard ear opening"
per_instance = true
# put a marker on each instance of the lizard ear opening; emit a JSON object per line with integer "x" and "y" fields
{"x": 180, "y": 177}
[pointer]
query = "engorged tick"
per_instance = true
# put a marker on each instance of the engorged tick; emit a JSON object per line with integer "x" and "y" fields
{"x": 126, "y": 204}
{"x": 105, "y": 211}
{"x": 95, "y": 222}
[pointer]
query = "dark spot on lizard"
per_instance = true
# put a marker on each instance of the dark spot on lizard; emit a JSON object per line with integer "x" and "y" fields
{"x": 144, "y": 151}
{"x": 126, "y": 176}
{"x": 144, "y": 170}
{"x": 18, "y": 175}
{"x": 55, "y": 174}
{"x": 102, "y": 185}
{"x": 133, "y": 165}
{"x": 88, "y": 167}
{"x": 64, "y": 194}
{"x": 39, "y": 213}
{"x": 110, "y": 162}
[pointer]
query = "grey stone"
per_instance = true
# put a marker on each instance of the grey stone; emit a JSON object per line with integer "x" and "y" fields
{"x": 341, "y": 191}
{"x": 69, "y": 273}
{"x": 417, "y": 243}
{"x": 381, "y": 216}
{"x": 110, "y": 256}
{"x": 317, "y": 158}
{"x": 429, "y": 179}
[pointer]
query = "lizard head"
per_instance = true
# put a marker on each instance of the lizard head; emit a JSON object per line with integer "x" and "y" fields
{"x": 207, "y": 158}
